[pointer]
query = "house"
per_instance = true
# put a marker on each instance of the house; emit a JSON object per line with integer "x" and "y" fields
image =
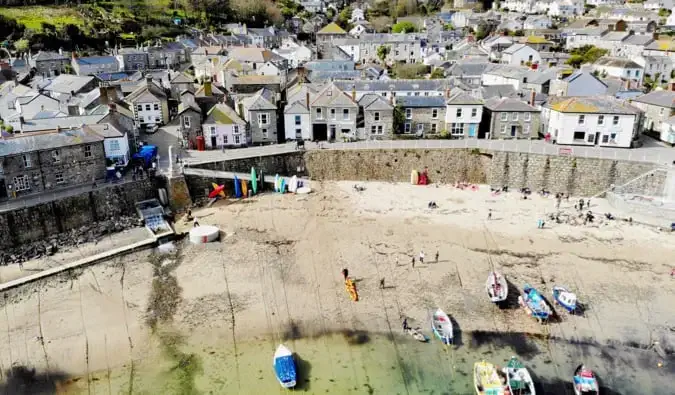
{"x": 463, "y": 115}
{"x": 181, "y": 82}
{"x": 509, "y": 118}
{"x": 48, "y": 63}
{"x": 333, "y": 114}
{"x": 538, "y": 43}
{"x": 295, "y": 56}
{"x": 520, "y": 54}
{"x": 565, "y": 8}
{"x": 579, "y": 83}
{"x": 132, "y": 59}
{"x": 394, "y": 88}
{"x": 423, "y": 114}
{"x": 46, "y": 161}
{"x": 327, "y": 34}
{"x": 360, "y": 28}
{"x": 633, "y": 46}
{"x": 188, "y": 120}
{"x": 378, "y": 117}
{"x": 659, "y": 108}
{"x": 66, "y": 86}
{"x": 403, "y": 47}
{"x": 575, "y": 38}
{"x": 20, "y": 103}
{"x": 656, "y": 5}
{"x": 469, "y": 73}
{"x": 658, "y": 68}
{"x": 115, "y": 143}
{"x": 506, "y": 74}
{"x": 168, "y": 56}
{"x": 599, "y": 120}
{"x": 149, "y": 103}
{"x": 670, "y": 22}
{"x": 357, "y": 15}
{"x": 255, "y": 58}
{"x": 260, "y": 111}
{"x": 533, "y": 22}
{"x": 92, "y": 65}
{"x": 267, "y": 37}
{"x": 297, "y": 124}
{"x": 625, "y": 69}
{"x": 661, "y": 47}
{"x": 224, "y": 128}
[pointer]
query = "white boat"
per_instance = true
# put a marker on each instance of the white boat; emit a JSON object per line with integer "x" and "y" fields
{"x": 518, "y": 378}
{"x": 442, "y": 326}
{"x": 284, "y": 367}
{"x": 565, "y": 298}
{"x": 497, "y": 288}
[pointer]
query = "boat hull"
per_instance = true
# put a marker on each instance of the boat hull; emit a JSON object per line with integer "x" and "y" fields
{"x": 496, "y": 287}
{"x": 565, "y": 299}
{"x": 284, "y": 367}
{"x": 442, "y": 326}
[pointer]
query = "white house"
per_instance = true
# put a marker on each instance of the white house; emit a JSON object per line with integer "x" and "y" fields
{"x": 566, "y": 8}
{"x": 297, "y": 124}
{"x": 295, "y": 55}
{"x": 656, "y": 65}
{"x": 579, "y": 83}
{"x": 149, "y": 103}
{"x": 224, "y": 128}
{"x": 535, "y": 22}
{"x": 270, "y": 68}
{"x": 625, "y": 69}
{"x": 670, "y": 22}
{"x": 600, "y": 120}
{"x": 357, "y": 15}
{"x": 656, "y": 5}
{"x": 463, "y": 114}
{"x": 519, "y": 54}
{"x": 115, "y": 143}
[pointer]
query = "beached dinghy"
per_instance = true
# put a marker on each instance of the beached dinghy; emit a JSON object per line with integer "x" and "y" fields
{"x": 535, "y": 305}
{"x": 442, "y": 326}
{"x": 497, "y": 288}
{"x": 284, "y": 367}
{"x": 417, "y": 334}
{"x": 585, "y": 382}
{"x": 565, "y": 298}
{"x": 486, "y": 379}
{"x": 518, "y": 378}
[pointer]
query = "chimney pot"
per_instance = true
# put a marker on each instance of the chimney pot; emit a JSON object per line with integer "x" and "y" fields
{"x": 307, "y": 99}
{"x": 533, "y": 95}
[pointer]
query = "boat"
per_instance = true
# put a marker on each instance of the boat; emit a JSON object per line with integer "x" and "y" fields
{"x": 497, "y": 288}
{"x": 487, "y": 380}
{"x": 565, "y": 298}
{"x": 350, "y": 286}
{"x": 518, "y": 378}
{"x": 585, "y": 382}
{"x": 417, "y": 334}
{"x": 442, "y": 326}
{"x": 535, "y": 305}
{"x": 284, "y": 367}
{"x": 254, "y": 181}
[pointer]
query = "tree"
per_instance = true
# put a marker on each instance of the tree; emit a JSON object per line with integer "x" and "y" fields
{"x": 399, "y": 119}
{"x": 404, "y": 27}
{"x": 21, "y": 45}
{"x": 381, "y": 24}
{"x": 343, "y": 17}
{"x": 406, "y": 7}
{"x": 575, "y": 61}
{"x": 448, "y": 27}
{"x": 382, "y": 52}
{"x": 437, "y": 74}
{"x": 289, "y": 8}
{"x": 664, "y": 13}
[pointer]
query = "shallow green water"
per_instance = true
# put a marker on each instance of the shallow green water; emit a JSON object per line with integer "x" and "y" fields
{"x": 360, "y": 363}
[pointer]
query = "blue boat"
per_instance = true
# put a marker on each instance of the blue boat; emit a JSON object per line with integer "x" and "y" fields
{"x": 284, "y": 367}
{"x": 565, "y": 298}
{"x": 533, "y": 302}
{"x": 237, "y": 187}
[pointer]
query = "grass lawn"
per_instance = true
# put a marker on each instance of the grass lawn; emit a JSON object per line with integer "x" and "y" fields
{"x": 33, "y": 17}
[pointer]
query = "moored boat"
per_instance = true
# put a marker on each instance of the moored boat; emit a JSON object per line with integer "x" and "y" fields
{"x": 518, "y": 378}
{"x": 442, "y": 326}
{"x": 565, "y": 298}
{"x": 585, "y": 382}
{"x": 284, "y": 367}
{"x": 486, "y": 379}
{"x": 497, "y": 288}
{"x": 535, "y": 305}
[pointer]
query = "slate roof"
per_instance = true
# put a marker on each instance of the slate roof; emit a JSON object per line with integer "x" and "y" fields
{"x": 507, "y": 104}
{"x": 373, "y": 102}
{"x": 34, "y": 125}
{"x": 224, "y": 115}
{"x": 638, "y": 39}
{"x": 31, "y": 142}
{"x": 476, "y": 68}
{"x": 490, "y": 91}
{"x": 617, "y": 62}
{"x": 263, "y": 99}
{"x": 48, "y": 55}
{"x": 514, "y": 48}
{"x": 95, "y": 60}
{"x": 457, "y": 98}
{"x": 256, "y": 80}
{"x": 658, "y": 98}
{"x": 254, "y": 55}
{"x": 332, "y": 96}
{"x": 182, "y": 78}
{"x": 65, "y": 83}
{"x": 578, "y": 74}
{"x": 393, "y": 85}
{"x": 420, "y": 101}
{"x": 105, "y": 130}
{"x": 297, "y": 107}
{"x": 590, "y": 105}
{"x": 332, "y": 28}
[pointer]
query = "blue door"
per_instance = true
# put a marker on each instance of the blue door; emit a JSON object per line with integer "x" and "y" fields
{"x": 472, "y": 130}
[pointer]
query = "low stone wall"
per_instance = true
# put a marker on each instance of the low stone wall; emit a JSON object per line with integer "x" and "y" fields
{"x": 39, "y": 222}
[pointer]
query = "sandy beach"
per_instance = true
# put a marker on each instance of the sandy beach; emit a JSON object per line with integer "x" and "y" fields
{"x": 208, "y": 320}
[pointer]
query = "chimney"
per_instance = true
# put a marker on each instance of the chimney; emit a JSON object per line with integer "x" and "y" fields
{"x": 207, "y": 88}
{"x": 447, "y": 93}
{"x": 103, "y": 94}
{"x": 307, "y": 99}
{"x": 391, "y": 98}
{"x": 354, "y": 92}
{"x": 533, "y": 94}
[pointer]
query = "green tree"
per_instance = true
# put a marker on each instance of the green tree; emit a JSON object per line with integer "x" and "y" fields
{"x": 437, "y": 74}
{"x": 448, "y": 27}
{"x": 343, "y": 17}
{"x": 575, "y": 61}
{"x": 21, "y": 45}
{"x": 404, "y": 27}
{"x": 664, "y": 13}
{"x": 399, "y": 119}
{"x": 382, "y": 52}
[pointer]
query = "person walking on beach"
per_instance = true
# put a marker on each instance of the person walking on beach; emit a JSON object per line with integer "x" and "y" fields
{"x": 20, "y": 265}
{"x": 489, "y": 214}
{"x": 581, "y": 204}
{"x": 436, "y": 256}
{"x": 405, "y": 324}
{"x": 382, "y": 283}
{"x": 195, "y": 222}
{"x": 413, "y": 262}
{"x": 345, "y": 273}
{"x": 422, "y": 256}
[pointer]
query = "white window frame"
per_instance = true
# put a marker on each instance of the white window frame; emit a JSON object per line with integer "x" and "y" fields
{"x": 615, "y": 120}
{"x": 380, "y": 129}
{"x": 420, "y": 128}
{"x": 581, "y": 120}
{"x": 503, "y": 128}
{"x": 27, "y": 161}
{"x": 213, "y": 131}
{"x": 457, "y": 129}
{"x": 298, "y": 133}
{"x": 601, "y": 119}
{"x": 474, "y": 112}
{"x": 319, "y": 113}
{"x": 21, "y": 183}
{"x": 298, "y": 120}
{"x": 87, "y": 151}
{"x": 186, "y": 121}
{"x": 139, "y": 107}
{"x": 434, "y": 113}
{"x": 147, "y": 107}
{"x": 434, "y": 128}
{"x": 504, "y": 116}
{"x": 156, "y": 107}
{"x": 514, "y": 116}
{"x": 235, "y": 129}
{"x": 346, "y": 114}
{"x": 527, "y": 117}
{"x": 526, "y": 129}
{"x": 263, "y": 119}
{"x": 407, "y": 127}
{"x": 376, "y": 116}
{"x": 408, "y": 113}
{"x": 224, "y": 139}
{"x": 458, "y": 113}
{"x": 237, "y": 139}
{"x": 114, "y": 145}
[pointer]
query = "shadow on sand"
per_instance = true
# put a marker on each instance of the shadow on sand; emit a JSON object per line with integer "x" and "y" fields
{"x": 457, "y": 333}
{"x": 511, "y": 301}
{"x": 304, "y": 370}
{"x": 23, "y": 380}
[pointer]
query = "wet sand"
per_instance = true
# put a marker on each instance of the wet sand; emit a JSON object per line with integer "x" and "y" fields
{"x": 209, "y": 320}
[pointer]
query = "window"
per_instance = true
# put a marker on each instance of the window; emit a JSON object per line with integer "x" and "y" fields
{"x": 417, "y": 93}
{"x": 504, "y": 116}
{"x": 582, "y": 119}
{"x": 114, "y": 145}
{"x": 426, "y": 93}
{"x": 474, "y": 112}
{"x": 527, "y": 116}
{"x": 514, "y": 116}
{"x": 87, "y": 151}
{"x": 213, "y": 131}
{"x": 224, "y": 139}
{"x": 433, "y": 128}
{"x": 590, "y": 138}
{"x": 605, "y": 138}
{"x": 601, "y": 119}
{"x": 26, "y": 161}
{"x": 380, "y": 129}
{"x": 612, "y": 137}
{"x": 156, "y": 106}
{"x": 406, "y": 127}
{"x": 186, "y": 121}
{"x": 503, "y": 129}
{"x": 147, "y": 107}
{"x": 262, "y": 119}
{"x": 237, "y": 139}
{"x": 158, "y": 119}
{"x": 345, "y": 114}
{"x": 139, "y": 107}
{"x": 297, "y": 120}
{"x": 579, "y": 135}
{"x": 319, "y": 114}
{"x": 56, "y": 156}
{"x": 264, "y": 133}
{"x": 332, "y": 113}
{"x": 384, "y": 94}
{"x": 526, "y": 129}
{"x": 298, "y": 133}
{"x": 235, "y": 129}
{"x": 58, "y": 177}
{"x": 615, "y": 121}
{"x": 376, "y": 116}
{"x": 21, "y": 183}
{"x": 457, "y": 129}
{"x": 459, "y": 113}
{"x": 434, "y": 113}
{"x": 408, "y": 113}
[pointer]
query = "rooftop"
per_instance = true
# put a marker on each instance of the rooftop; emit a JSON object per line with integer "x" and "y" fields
{"x": 332, "y": 28}
{"x": 658, "y": 98}
{"x": 420, "y": 101}
{"x": 31, "y": 142}
{"x": 508, "y": 104}
{"x": 617, "y": 62}
{"x": 590, "y": 105}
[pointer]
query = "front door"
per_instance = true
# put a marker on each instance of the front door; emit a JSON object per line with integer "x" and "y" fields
{"x": 3, "y": 189}
{"x": 597, "y": 138}
{"x": 472, "y": 130}
{"x": 213, "y": 141}
{"x": 514, "y": 130}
